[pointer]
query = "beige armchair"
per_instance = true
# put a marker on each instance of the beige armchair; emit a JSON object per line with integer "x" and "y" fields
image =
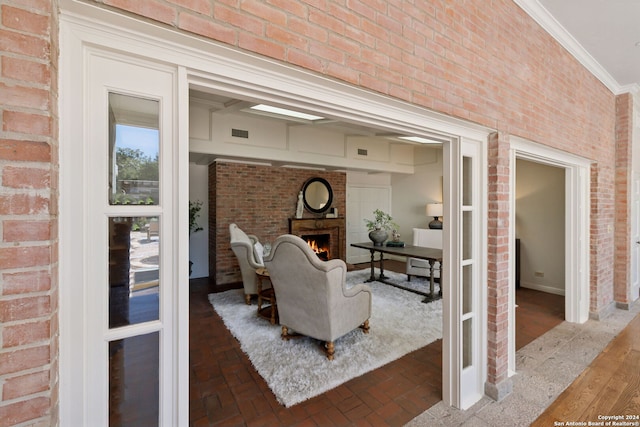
{"x": 311, "y": 294}
{"x": 248, "y": 251}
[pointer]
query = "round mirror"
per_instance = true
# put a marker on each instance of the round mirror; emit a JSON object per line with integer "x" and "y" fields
{"x": 317, "y": 195}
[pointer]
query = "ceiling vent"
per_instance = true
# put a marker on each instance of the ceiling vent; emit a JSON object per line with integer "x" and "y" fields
{"x": 239, "y": 133}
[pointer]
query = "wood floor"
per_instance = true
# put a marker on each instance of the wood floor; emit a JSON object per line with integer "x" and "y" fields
{"x": 226, "y": 391}
{"x": 610, "y": 386}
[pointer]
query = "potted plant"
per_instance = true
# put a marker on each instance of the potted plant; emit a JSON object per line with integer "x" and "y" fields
{"x": 380, "y": 226}
{"x": 194, "y": 227}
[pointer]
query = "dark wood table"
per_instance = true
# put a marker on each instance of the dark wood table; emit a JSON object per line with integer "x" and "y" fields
{"x": 430, "y": 254}
{"x": 269, "y": 312}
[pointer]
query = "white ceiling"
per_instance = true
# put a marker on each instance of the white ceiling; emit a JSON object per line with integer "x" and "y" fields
{"x": 602, "y": 34}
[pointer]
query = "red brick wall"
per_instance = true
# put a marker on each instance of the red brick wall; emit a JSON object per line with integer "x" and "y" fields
{"x": 498, "y": 258}
{"x": 28, "y": 213}
{"x": 624, "y": 130}
{"x": 260, "y": 199}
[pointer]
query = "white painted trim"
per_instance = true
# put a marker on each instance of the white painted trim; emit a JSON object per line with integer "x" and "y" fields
{"x": 72, "y": 228}
{"x": 181, "y": 212}
{"x": 550, "y": 24}
{"x": 511, "y": 363}
{"x": 450, "y": 357}
{"x": 577, "y": 244}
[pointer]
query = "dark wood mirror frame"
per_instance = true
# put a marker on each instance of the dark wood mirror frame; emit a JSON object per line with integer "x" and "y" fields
{"x": 317, "y": 195}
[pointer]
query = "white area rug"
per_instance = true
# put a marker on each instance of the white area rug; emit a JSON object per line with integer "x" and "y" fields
{"x": 297, "y": 370}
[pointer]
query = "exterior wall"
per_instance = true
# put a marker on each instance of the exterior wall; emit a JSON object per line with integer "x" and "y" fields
{"x": 28, "y": 213}
{"x": 260, "y": 199}
{"x": 498, "y": 266}
{"x": 624, "y": 169}
{"x": 494, "y": 66}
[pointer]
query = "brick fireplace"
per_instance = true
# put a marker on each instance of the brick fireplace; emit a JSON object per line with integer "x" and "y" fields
{"x": 261, "y": 200}
{"x": 331, "y": 230}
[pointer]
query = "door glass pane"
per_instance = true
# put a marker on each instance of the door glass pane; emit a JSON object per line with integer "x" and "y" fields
{"x": 467, "y": 348}
{"x": 467, "y": 174}
{"x": 467, "y": 289}
{"x": 467, "y": 235}
{"x": 134, "y": 381}
{"x": 134, "y": 143}
{"x": 134, "y": 267}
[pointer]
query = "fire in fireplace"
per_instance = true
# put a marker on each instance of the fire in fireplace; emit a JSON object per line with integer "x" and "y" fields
{"x": 320, "y": 245}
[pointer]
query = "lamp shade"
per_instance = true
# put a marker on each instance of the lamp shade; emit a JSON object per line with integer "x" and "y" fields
{"x": 434, "y": 209}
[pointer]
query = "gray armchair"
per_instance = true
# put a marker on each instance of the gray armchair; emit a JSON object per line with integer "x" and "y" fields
{"x": 248, "y": 251}
{"x": 311, "y": 294}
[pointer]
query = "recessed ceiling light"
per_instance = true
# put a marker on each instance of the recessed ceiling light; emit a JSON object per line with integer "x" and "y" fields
{"x": 420, "y": 139}
{"x": 285, "y": 112}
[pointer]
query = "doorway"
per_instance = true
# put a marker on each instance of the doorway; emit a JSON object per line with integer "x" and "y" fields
{"x": 540, "y": 257}
{"x": 85, "y": 45}
{"x": 576, "y": 173}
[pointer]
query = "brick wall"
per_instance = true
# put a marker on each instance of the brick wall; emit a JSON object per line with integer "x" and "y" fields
{"x": 498, "y": 258}
{"x": 28, "y": 213}
{"x": 624, "y": 130}
{"x": 260, "y": 199}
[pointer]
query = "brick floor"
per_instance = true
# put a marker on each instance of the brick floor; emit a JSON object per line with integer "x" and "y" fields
{"x": 225, "y": 390}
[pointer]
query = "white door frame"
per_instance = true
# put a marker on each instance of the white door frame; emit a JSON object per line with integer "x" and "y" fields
{"x": 207, "y": 66}
{"x": 577, "y": 208}
{"x": 462, "y": 386}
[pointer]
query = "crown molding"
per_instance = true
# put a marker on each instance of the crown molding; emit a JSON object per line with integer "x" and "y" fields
{"x": 550, "y": 24}
{"x": 633, "y": 89}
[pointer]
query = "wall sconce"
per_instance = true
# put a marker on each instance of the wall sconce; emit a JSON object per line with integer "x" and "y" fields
{"x": 435, "y": 210}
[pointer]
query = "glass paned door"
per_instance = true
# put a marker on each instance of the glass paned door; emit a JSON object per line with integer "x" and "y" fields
{"x": 134, "y": 262}
{"x": 465, "y": 346}
{"x": 131, "y": 276}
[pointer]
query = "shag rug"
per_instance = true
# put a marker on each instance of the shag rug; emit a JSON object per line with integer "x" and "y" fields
{"x": 297, "y": 370}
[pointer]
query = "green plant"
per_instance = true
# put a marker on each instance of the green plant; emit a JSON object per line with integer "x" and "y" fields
{"x": 194, "y": 214}
{"x": 382, "y": 221}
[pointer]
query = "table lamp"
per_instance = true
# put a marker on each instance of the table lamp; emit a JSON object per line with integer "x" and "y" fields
{"x": 435, "y": 210}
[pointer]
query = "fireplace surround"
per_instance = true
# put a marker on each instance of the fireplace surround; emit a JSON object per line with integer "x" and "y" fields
{"x": 333, "y": 227}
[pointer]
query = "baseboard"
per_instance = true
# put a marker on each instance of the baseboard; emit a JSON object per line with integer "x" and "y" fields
{"x": 543, "y": 288}
{"x": 604, "y": 312}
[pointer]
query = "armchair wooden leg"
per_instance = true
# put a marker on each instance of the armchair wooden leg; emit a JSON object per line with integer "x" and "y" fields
{"x": 247, "y": 299}
{"x": 285, "y": 333}
{"x": 330, "y": 349}
{"x": 365, "y": 326}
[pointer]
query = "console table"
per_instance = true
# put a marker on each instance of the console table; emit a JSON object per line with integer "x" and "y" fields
{"x": 430, "y": 254}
